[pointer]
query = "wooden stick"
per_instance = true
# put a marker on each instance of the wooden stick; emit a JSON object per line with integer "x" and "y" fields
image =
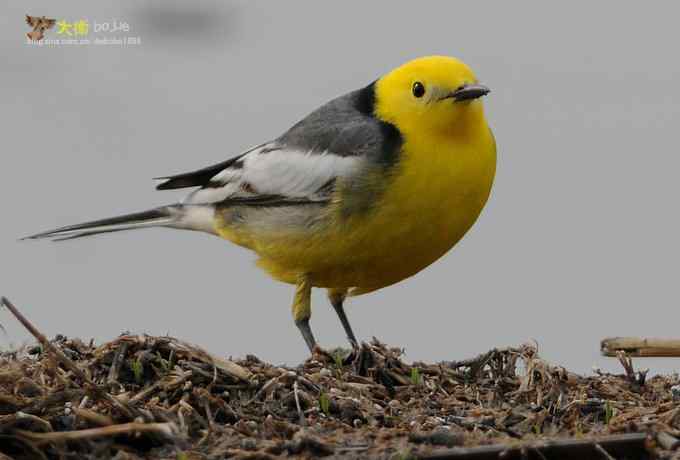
{"x": 168, "y": 430}
{"x": 93, "y": 417}
{"x": 641, "y": 347}
{"x": 303, "y": 421}
{"x": 117, "y": 363}
{"x": 618, "y": 446}
{"x": 228, "y": 367}
{"x": 67, "y": 363}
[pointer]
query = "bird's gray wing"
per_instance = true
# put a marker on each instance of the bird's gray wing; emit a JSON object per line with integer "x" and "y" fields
{"x": 337, "y": 141}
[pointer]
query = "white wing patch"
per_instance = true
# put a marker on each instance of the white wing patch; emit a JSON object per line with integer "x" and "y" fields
{"x": 271, "y": 171}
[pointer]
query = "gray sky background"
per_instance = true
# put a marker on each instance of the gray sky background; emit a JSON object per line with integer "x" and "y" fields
{"x": 579, "y": 240}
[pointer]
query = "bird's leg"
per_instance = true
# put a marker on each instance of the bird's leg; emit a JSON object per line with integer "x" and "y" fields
{"x": 302, "y": 310}
{"x": 337, "y": 299}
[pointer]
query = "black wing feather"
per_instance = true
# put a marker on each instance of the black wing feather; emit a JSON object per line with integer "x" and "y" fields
{"x": 199, "y": 178}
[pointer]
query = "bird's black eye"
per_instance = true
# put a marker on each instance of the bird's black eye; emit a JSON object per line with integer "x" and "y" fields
{"x": 418, "y": 89}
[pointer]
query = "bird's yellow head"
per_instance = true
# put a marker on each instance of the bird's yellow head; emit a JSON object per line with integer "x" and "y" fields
{"x": 430, "y": 93}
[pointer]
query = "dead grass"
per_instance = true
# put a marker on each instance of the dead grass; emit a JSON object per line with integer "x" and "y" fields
{"x": 159, "y": 397}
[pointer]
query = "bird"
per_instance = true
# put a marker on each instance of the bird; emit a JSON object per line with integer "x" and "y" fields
{"x": 364, "y": 192}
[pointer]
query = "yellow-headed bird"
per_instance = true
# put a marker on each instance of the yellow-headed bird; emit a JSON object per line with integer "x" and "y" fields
{"x": 364, "y": 192}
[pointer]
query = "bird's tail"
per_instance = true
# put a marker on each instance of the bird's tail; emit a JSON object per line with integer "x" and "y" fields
{"x": 173, "y": 216}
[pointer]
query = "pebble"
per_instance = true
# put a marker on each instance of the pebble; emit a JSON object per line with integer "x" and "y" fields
{"x": 675, "y": 391}
{"x": 248, "y": 444}
{"x": 325, "y": 372}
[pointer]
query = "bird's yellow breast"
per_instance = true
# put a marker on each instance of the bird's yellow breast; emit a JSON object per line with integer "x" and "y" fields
{"x": 430, "y": 199}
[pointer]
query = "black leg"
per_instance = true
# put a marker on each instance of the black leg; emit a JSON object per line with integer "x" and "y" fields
{"x": 306, "y": 332}
{"x": 337, "y": 299}
{"x": 302, "y": 310}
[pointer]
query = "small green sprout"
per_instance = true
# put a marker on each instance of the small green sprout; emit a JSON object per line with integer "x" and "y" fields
{"x": 324, "y": 403}
{"x": 416, "y": 378}
{"x": 165, "y": 364}
{"x": 137, "y": 370}
{"x": 404, "y": 455}
{"x": 579, "y": 429}
{"x": 337, "y": 357}
{"x": 608, "y": 412}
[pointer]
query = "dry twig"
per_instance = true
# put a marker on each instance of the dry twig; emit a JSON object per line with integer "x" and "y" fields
{"x": 167, "y": 430}
{"x": 641, "y": 347}
{"x": 67, "y": 363}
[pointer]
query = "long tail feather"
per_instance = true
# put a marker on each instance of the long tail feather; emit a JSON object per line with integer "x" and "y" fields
{"x": 165, "y": 216}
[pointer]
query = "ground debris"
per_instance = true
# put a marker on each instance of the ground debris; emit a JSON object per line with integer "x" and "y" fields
{"x": 140, "y": 396}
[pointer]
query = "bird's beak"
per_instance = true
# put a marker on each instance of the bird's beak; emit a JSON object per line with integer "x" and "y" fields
{"x": 469, "y": 92}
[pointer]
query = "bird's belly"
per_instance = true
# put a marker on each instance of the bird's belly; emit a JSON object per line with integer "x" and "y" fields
{"x": 369, "y": 256}
{"x": 394, "y": 241}
{"x": 418, "y": 218}
{"x": 399, "y": 244}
